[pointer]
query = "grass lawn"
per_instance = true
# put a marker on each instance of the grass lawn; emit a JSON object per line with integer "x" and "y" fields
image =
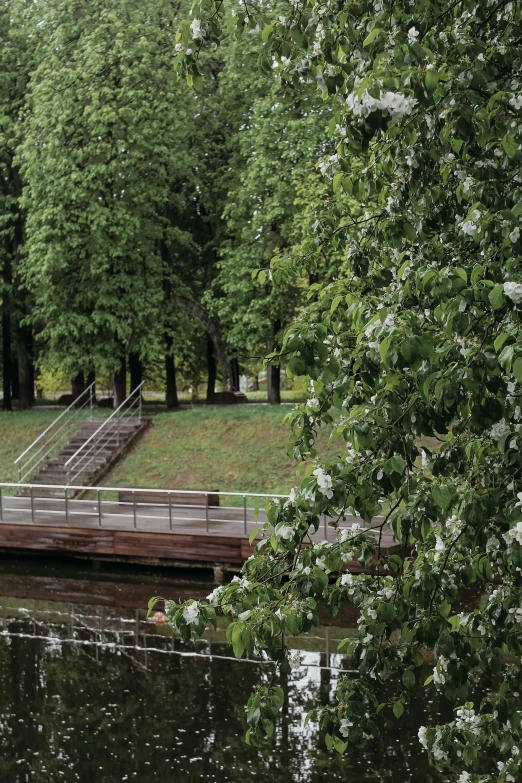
{"x": 237, "y": 449}
{"x": 17, "y": 431}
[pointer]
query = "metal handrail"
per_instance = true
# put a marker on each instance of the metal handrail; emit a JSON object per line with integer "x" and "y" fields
{"x": 81, "y": 488}
{"x": 83, "y": 457}
{"x": 70, "y": 415}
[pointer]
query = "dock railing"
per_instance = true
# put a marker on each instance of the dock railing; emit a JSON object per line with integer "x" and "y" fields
{"x": 52, "y": 439}
{"x": 108, "y": 432}
{"x": 171, "y": 511}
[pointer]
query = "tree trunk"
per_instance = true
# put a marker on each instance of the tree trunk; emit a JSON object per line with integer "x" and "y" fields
{"x": 15, "y": 384}
{"x": 273, "y": 379}
{"x": 7, "y": 403}
{"x": 120, "y": 384}
{"x": 234, "y": 374}
{"x": 24, "y": 348}
{"x": 211, "y": 370}
{"x": 213, "y": 327}
{"x": 273, "y": 372}
{"x": 78, "y": 385}
{"x": 136, "y": 371}
{"x": 255, "y": 383}
{"x": 171, "y": 390}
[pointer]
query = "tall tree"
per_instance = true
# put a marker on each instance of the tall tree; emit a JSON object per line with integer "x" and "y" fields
{"x": 107, "y": 135}
{"x": 421, "y": 337}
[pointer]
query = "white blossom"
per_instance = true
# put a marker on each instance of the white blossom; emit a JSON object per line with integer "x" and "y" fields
{"x": 197, "y": 30}
{"x": 513, "y": 291}
{"x": 191, "y": 613}
{"x": 389, "y": 103}
{"x": 499, "y": 430}
{"x": 324, "y": 482}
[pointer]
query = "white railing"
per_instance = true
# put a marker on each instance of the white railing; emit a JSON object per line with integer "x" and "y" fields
{"x": 170, "y": 510}
{"x": 104, "y": 437}
{"x": 145, "y": 509}
{"x": 56, "y": 435}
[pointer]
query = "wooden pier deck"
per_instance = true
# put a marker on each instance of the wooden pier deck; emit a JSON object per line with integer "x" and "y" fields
{"x": 166, "y": 532}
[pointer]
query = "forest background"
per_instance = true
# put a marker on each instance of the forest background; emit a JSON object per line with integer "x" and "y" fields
{"x": 136, "y": 212}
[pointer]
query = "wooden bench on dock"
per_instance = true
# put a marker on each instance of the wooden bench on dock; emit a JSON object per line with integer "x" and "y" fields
{"x": 154, "y": 498}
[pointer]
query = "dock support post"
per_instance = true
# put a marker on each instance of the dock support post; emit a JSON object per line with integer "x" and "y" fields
{"x": 219, "y": 575}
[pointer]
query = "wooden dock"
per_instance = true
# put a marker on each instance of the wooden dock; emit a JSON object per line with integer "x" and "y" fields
{"x": 175, "y": 530}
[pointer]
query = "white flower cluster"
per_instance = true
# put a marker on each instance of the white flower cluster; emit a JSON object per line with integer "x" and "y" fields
{"x": 439, "y": 672}
{"x": 344, "y": 726}
{"x": 470, "y": 227}
{"x": 285, "y": 532}
{"x": 516, "y": 102}
{"x": 214, "y": 596}
{"x": 499, "y": 430}
{"x": 324, "y": 483}
{"x": 191, "y": 613}
{"x": 389, "y": 103}
{"x": 197, "y": 30}
{"x": 513, "y": 291}
{"x": 517, "y": 614}
{"x": 243, "y": 583}
{"x": 515, "y": 534}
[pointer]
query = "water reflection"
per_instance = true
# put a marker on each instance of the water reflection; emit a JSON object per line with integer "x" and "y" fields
{"x": 90, "y": 692}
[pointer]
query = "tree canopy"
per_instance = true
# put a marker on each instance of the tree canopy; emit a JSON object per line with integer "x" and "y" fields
{"x": 413, "y": 351}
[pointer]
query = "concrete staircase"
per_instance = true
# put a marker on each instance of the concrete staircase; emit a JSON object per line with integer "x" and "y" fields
{"x": 109, "y": 447}
{"x": 77, "y": 451}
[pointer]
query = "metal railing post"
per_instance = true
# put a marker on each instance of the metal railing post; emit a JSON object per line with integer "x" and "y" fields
{"x": 206, "y": 512}
{"x": 91, "y": 401}
{"x": 245, "y": 515}
{"x": 134, "y": 509}
{"x": 1, "y": 506}
{"x": 66, "y": 506}
{"x": 325, "y": 526}
{"x": 32, "y": 506}
{"x": 139, "y": 406}
{"x": 170, "y": 512}
{"x": 99, "y": 509}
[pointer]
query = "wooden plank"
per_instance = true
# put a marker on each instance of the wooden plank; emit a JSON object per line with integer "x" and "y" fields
{"x": 205, "y": 548}
{"x": 57, "y": 539}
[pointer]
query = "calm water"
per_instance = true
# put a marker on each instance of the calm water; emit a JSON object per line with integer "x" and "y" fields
{"x": 91, "y": 692}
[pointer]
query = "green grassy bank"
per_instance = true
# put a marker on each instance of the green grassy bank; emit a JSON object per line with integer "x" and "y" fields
{"x": 237, "y": 449}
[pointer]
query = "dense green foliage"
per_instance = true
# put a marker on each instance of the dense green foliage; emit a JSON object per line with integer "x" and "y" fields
{"x": 420, "y": 335}
{"x": 135, "y": 209}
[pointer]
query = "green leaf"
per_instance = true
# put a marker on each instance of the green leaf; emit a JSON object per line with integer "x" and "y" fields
{"x": 496, "y": 297}
{"x": 509, "y": 145}
{"x": 517, "y": 369}
{"x": 267, "y": 31}
{"x": 372, "y": 36}
{"x": 398, "y": 709}
{"x": 432, "y": 79}
{"x": 442, "y": 495}
{"x": 253, "y": 534}
{"x": 500, "y": 340}
{"x": 408, "y": 679}
{"x": 152, "y": 603}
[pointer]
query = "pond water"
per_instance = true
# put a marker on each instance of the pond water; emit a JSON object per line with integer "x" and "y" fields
{"x": 89, "y": 691}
